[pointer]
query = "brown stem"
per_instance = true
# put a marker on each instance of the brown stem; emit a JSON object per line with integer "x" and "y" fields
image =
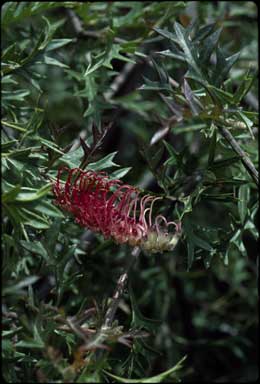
{"x": 243, "y": 156}
{"x": 121, "y": 283}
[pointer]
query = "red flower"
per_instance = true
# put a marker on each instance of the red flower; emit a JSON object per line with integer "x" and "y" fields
{"x": 115, "y": 209}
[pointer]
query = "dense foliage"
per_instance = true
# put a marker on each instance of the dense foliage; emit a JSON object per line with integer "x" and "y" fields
{"x": 163, "y": 96}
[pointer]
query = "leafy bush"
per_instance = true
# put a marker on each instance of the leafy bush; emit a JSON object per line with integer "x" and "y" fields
{"x": 161, "y": 95}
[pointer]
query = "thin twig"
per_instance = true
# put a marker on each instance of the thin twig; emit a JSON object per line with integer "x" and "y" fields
{"x": 119, "y": 80}
{"x": 121, "y": 283}
{"x": 80, "y": 31}
{"x": 243, "y": 156}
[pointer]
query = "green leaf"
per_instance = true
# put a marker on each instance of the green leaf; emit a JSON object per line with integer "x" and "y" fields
{"x": 212, "y": 148}
{"x": 104, "y": 163}
{"x": 201, "y": 243}
{"x": 19, "y": 153}
{"x": 57, "y": 43}
{"x": 34, "y": 220}
{"x": 48, "y": 144}
{"x": 203, "y": 32}
{"x": 48, "y": 209}
{"x": 42, "y": 42}
{"x": 161, "y": 71}
{"x": 35, "y": 247}
{"x": 18, "y": 287}
{"x": 247, "y": 122}
{"x": 223, "y": 197}
{"x": 191, "y": 247}
{"x": 169, "y": 35}
{"x": 112, "y": 52}
{"x": 225, "y": 163}
{"x": 73, "y": 159}
{"x": 51, "y": 61}
{"x": 186, "y": 45}
{"x": 169, "y": 53}
{"x": 11, "y": 332}
{"x": 11, "y": 195}
{"x": 223, "y": 96}
{"x": 8, "y": 144}
{"x": 209, "y": 45}
{"x": 223, "y": 66}
{"x": 154, "y": 379}
{"x": 193, "y": 102}
{"x": 14, "y": 12}
{"x": 244, "y": 196}
{"x": 15, "y": 95}
{"x": 193, "y": 241}
{"x": 244, "y": 87}
{"x": 154, "y": 86}
{"x": 138, "y": 320}
{"x": 34, "y": 344}
{"x": 31, "y": 194}
{"x": 118, "y": 174}
{"x": 175, "y": 157}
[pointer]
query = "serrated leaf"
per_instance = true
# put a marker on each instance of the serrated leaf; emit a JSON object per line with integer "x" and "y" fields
{"x": 13, "y": 11}
{"x": 104, "y": 163}
{"x": 163, "y": 76}
{"x": 175, "y": 157}
{"x": 209, "y": 45}
{"x": 138, "y": 320}
{"x": 112, "y": 52}
{"x": 40, "y": 45}
{"x": 72, "y": 159}
{"x": 223, "y": 66}
{"x": 203, "y": 32}
{"x": 167, "y": 34}
{"x": 169, "y": 53}
{"x": 188, "y": 49}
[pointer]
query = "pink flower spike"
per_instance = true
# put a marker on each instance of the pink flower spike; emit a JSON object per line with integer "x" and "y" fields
{"x": 114, "y": 209}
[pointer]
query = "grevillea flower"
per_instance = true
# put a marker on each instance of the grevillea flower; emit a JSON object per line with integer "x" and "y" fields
{"x": 115, "y": 209}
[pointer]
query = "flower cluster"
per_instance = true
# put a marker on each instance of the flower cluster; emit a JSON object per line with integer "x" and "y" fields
{"x": 115, "y": 209}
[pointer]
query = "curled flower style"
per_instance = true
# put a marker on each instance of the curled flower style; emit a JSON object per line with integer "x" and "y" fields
{"x": 114, "y": 209}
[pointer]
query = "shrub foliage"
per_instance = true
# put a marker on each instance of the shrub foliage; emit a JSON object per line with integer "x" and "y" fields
{"x": 163, "y": 96}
